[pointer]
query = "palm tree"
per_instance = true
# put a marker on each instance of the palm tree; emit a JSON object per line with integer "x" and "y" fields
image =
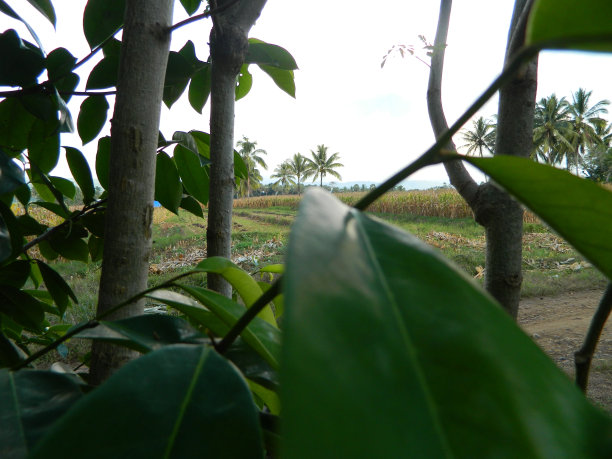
{"x": 284, "y": 173}
{"x": 251, "y": 157}
{"x": 583, "y": 120}
{"x": 320, "y": 165}
{"x": 481, "y": 138}
{"x": 551, "y": 129}
{"x": 299, "y": 166}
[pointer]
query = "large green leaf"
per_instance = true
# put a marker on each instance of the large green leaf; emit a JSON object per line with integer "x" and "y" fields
{"x": 45, "y": 7}
{"x": 22, "y": 308}
{"x": 168, "y": 187}
{"x": 178, "y": 73}
{"x": 260, "y": 52}
{"x": 389, "y": 351}
{"x": 6, "y": 9}
{"x": 10, "y": 355}
{"x": 64, "y": 186}
{"x": 190, "y": 204}
{"x": 145, "y": 333}
{"x": 244, "y": 284}
{"x": 244, "y": 82}
{"x": 260, "y": 335}
{"x": 561, "y": 20}
{"x": 191, "y": 6}
{"x": 578, "y": 209}
{"x": 79, "y": 167}
{"x": 11, "y": 238}
{"x": 103, "y": 161}
{"x": 102, "y": 19}
{"x": 21, "y": 64}
{"x": 15, "y": 274}
{"x": 104, "y": 74}
{"x": 283, "y": 78}
{"x": 43, "y": 147}
{"x": 194, "y": 176}
{"x": 11, "y": 173}
{"x": 71, "y": 247}
{"x": 179, "y": 401}
{"x": 92, "y": 117}
{"x": 31, "y": 401}
{"x": 15, "y": 125}
{"x": 199, "y": 88}
{"x": 57, "y": 287}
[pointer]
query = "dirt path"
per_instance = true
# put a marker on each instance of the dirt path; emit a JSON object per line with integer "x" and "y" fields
{"x": 558, "y": 325}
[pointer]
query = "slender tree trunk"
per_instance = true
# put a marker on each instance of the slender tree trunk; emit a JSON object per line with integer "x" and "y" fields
{"x": 134, "y": 133}
{"x": 501, "y": 216}
{"x": 228, "y": 47}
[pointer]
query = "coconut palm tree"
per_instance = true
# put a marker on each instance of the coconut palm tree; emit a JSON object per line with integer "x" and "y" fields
{"x": 251, "y": 156}
{"x": 299, "y": 166}
{"x": 320, "y": 165}
{"x": 551, "y": 129}
{"x": 480, "y": 138}
{"x": 583, "y": 120}
{"x": 284, "y": 173}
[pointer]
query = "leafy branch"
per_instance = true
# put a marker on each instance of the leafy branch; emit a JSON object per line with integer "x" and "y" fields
{"x": 203, "y": 15}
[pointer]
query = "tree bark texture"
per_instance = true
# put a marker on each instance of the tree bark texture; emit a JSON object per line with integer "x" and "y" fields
{"x": 501, "y": 216}
{"x": 228, "y": 47}
{"x": 134, "y": 134}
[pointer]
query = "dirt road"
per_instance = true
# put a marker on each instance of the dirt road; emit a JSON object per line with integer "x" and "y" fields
{"x": 558, "y": 325}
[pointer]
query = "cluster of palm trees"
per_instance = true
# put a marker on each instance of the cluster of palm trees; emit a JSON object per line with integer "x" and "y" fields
{"x": 571, "y": 133}
{"x": 295, "y": 170}
{"x": 290, "y": 172}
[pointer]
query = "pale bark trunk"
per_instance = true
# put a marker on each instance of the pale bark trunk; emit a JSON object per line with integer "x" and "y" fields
{"x": 501, "y": 216}
{"x": 228, "y": 47}
{"x": 134, "y": 133}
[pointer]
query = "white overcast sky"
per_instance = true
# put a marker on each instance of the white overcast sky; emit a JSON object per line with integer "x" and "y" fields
{"x": 375, "y": 118}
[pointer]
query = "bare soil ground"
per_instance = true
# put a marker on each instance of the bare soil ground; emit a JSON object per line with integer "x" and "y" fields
{"x": 558, "y": 325}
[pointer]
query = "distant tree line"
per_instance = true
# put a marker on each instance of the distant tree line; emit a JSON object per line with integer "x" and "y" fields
{"x": 571, "y": 134}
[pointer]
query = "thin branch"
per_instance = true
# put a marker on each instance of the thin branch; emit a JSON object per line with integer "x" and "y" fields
{"x": 88, "y": 93}
{"x": 204, "y": 15}
{"x": 248, "y": 316}
{"x": 584, "y": 356}
{"x": 92, "y": 208}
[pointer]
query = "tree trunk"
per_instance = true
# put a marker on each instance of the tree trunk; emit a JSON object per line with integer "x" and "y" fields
{"x": 501, "y": 216}
{"x": 228, "y": 47}
{"x": 134, "y": 134}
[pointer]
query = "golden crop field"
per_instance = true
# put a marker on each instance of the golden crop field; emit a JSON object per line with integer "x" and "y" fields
{"x": 444, "y": 202}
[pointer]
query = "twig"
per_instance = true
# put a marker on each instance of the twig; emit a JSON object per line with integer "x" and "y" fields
{"x": 248, "y": 316}
{"x": 204, "y": 15}
{"x": 584, "y": 356}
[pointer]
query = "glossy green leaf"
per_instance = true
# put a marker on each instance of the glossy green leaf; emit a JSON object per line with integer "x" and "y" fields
{"x": 23, "y": 192}
{"x": 6, "y": 9}
{"x": 21, "y": 64}
{"x": 103, "y": 161}
{"x": 59, "y": 62}
{"x": 192, "y": 401}
{"x": 191, "y": 6}
{"x": 71, "y": 248}
{"x": 194, "y": 176}
{"x": 242, "y": 282}
{"x": 178, "y": 73}
{"x": 22, "y": 308}
{"x": 104, "y": 74}
{"x": 168, "y": 187}
{"x": 44, "y": 7}
{"x": 31, "y": 401}
{"x": 10, "y": 233}
{"x": 94, "y": 222}
{"x": 186, "y": 140}
{"x": 30, "y": 226}
{"x": 102, "y": 19}
{"x": 252, "y": 365}
{"x": 563, "y": 20}
{"x": 15, "y": 274}
{"x": 145, "y": 333}
{"x": 43, "y": 147}
{"x": 11, "y": 173}
{"x": 245, "y": 82}
{"x": 260, "y": 335}
{"x": 52, "y": 207}
{"x": 79, "y": 167}
{"x": 96, "y": 247}
{"x": 199, "y": 88}
{"x": 278, "y": 268}
{"x": 263, "y": 53}
{"x": 578, "y": 216}
{"x": 57, "y": 287}
{"x": 15, "y": 125}
{"x": 10, "y": 355}
{"x": 190, "y": 204}
{"x": 268, "y": 396}
{"x": 64, "y": 186}
{"x": 92, "y": 118}
{"x": 44, "y": 107}
{"x": 380, "y": 327}
{"x": 46, "y": 251}
{"x": 283, "y": 78}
